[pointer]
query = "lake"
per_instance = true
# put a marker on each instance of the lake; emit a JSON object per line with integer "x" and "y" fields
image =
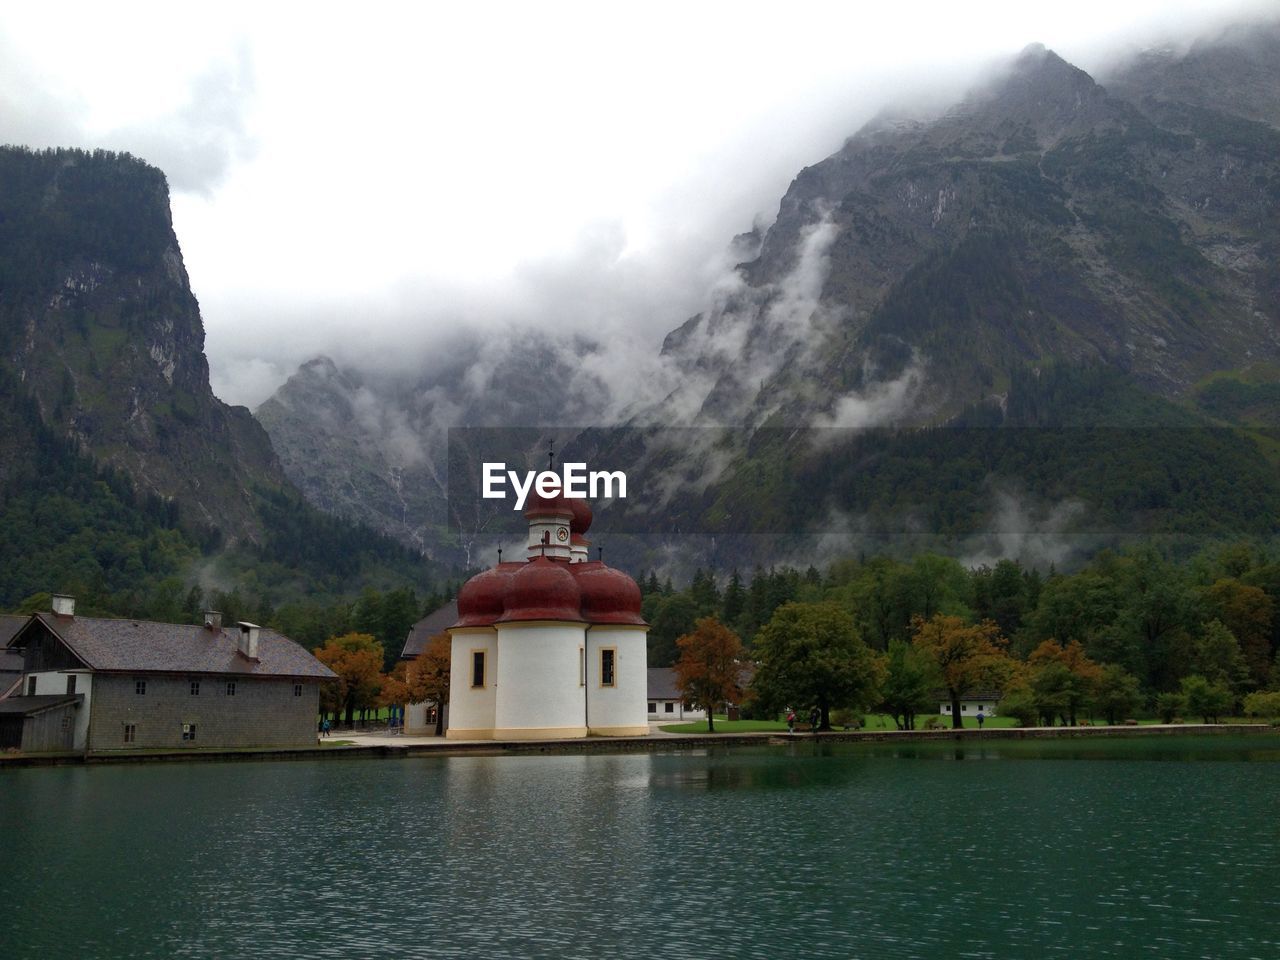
{"x": 1163, "y": 847}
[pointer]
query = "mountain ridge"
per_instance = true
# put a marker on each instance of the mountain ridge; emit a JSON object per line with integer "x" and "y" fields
{"x": 1043, "y": 219}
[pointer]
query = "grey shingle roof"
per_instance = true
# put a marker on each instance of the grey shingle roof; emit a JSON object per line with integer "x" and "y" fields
{"x": 25, "y": 706}
{"x": 142, "y": 645}
{"x": 10, "y": 660}
{"x": 10, "y": 623}
{"x": 426, "y": 628}
{"x": 662, "y": 684}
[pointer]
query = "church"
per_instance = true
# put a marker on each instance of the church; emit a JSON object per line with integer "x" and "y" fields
{"x": 551, "y": 646}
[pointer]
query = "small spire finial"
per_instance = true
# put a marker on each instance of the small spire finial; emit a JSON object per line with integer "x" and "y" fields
{"x": 600, "y": 554}
{"x": 551, "y": 454}
{"x": 499, "y": 553}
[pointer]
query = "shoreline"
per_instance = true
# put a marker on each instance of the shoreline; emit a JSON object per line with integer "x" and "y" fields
{"x": 380, "y": 746}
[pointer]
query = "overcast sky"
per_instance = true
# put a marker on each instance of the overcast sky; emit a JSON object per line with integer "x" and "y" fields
{"x": 361, "y": 181}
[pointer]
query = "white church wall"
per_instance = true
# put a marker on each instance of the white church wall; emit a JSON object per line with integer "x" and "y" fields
{"x": 540, "y": 677}
{"x": 471, "y": 708}
{"x": 620, "y": 709}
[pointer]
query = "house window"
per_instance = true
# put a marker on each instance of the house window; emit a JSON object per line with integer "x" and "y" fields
{"x": 188, "y": 731}
{"x": 653, "y": 707}
{"x": 669, "y": 707}
{"x": 66, "y": 723}
{"x": 477, "y": 668}
{"x": 608, "y": 657}
{"x": 31, "y": 686}
{"x": 195, "y": 688}
{"x": 140, "y": 687}
{"x": 71, "y": 684}
{"x": 297, "y": 689}
{"x": 231, "y": 688}
{"x": 130, "y": 732}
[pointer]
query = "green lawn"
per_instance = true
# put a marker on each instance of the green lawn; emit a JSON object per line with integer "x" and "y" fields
{"x": 875, "y": 721}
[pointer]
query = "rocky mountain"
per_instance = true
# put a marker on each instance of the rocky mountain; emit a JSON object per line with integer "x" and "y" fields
{"x": 374, "y": 447}
{"x": 99, "y": 325}
{"x": 925, "y": 274}
{"x": 1043, "y": 217}
{"x": 122, "y": 477}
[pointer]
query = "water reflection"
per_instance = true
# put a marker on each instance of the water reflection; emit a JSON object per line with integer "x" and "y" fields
{"x": 802, "y": 767}
{"x": 827, "y": 850}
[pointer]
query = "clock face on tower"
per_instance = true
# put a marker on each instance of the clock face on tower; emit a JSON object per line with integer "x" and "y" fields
{"x": 562, "y": 534}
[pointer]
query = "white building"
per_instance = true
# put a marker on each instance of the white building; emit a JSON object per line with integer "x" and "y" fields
{"x": 973, "y": 703}
{"x": 552, "y": 646}
{"x": 666, "y": 704}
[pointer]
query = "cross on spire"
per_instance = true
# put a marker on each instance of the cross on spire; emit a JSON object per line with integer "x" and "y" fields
{"x": 551, "y": 454}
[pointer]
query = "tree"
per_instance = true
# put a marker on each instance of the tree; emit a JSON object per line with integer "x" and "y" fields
{"x": 673, "y": 615}
{"x": 966, "y": 656}
{"x": 1017, "y": 701}
{"x": 1073, "y": 684}
{"x": 1116, "y": 694}
{"x": 1208, "y": 698}
{"x": 1262, "y": 704}
{"x": 735, "y": 600}
{"x": 709, "y": 671}
{"x": 704, "y": 593}
{"x": 1169, "y": 705}
{"x": 357, "y": 660}
{"x": 810, "y": 653}
{"x": 393, "y": 690}
{"x": 1246, "y": 611}
{"x": 1217, "y": 657}
{"x": 1052, "y": 693}
{"x": 909, "y": 678}
{"x": 428, "y": 676}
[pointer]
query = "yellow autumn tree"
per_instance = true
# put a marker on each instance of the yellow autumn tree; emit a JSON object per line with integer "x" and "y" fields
{"x": 427, "y": 676}
{"x": 357, "y": 660}
{"x": 709, "y": 671}
{"x": 967, "y": 656}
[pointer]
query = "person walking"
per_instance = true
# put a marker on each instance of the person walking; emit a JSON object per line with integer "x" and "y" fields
{"x": 791, "y": 720}
{"x": 980, "y": 718}
{"x": 324, "y": 727}
{"x": 815, "y": 716}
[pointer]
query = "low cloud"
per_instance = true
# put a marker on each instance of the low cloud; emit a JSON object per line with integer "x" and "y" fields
{"x": 197, "y": 144}
{"x": 1035, "y": 535}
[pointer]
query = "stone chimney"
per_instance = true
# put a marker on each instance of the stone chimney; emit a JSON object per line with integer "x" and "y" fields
{"x": 212, "y": 620}
{"x": 248, "y": 642}
{"x": 64, "y": 606}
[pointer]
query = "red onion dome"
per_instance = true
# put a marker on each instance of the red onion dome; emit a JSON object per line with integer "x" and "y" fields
{"x": 608, "y": 595}
{"x": 581, "y": 521}
{"x": 543, "y": 589}
{"x": 480, "y": 599}
{"x": 540, "y": 507}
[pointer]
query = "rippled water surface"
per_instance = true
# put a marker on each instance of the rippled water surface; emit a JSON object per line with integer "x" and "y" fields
{"x": 800, "y": 851}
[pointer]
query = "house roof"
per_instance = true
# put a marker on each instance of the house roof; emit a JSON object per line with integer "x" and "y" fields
{"x": 137, "y": 646}
{"x": 426, "y": 628}
{"x": 10, "y": 624}
{"x": 663, "y": 686}
{"x": 990, "y": 694}
{"x": 27, "y": 706}
{"x": 10, "y": 660}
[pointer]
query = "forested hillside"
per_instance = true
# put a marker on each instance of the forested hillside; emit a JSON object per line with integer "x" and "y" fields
{"x": 123, "y": 480}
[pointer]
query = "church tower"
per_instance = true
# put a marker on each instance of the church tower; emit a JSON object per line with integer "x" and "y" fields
{"x": 551, "y": 647}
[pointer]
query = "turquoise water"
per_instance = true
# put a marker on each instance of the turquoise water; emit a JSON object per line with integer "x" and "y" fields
{"x": 1132, "y": 848}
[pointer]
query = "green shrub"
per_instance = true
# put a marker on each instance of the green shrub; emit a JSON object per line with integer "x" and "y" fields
{"x": 1263, "y": 703}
